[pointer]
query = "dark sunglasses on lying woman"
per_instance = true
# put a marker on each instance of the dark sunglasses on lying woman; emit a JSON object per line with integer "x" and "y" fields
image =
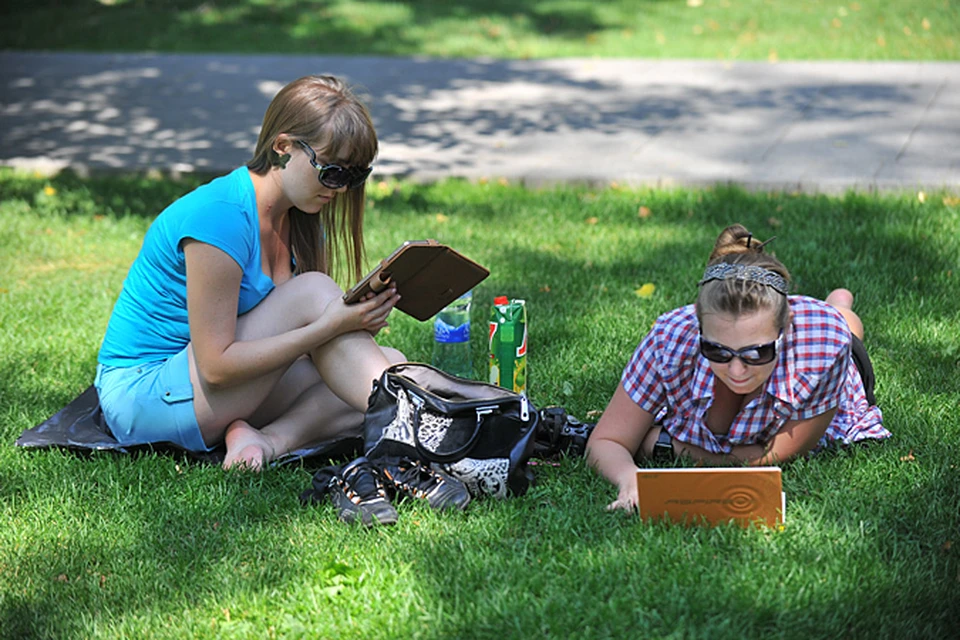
{"x": 755, "y": 355}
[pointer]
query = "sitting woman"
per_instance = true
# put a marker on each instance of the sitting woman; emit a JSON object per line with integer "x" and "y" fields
{"x": 748, "y": 375}
{"x": 228, "y": 328}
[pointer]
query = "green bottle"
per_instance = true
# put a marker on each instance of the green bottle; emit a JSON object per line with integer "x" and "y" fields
{"x": 508, "y": 344}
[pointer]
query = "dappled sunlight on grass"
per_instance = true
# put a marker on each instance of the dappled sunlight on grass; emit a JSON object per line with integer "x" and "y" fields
{"x": 155, "y": 545}
{"x": 724, "y": 29}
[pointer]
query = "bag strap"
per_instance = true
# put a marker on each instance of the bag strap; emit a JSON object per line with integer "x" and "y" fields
{"x": 454, "y": 455}
{"x": 462, "y": 451}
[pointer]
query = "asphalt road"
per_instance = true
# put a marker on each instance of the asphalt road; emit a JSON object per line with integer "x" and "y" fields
{"x": 825, "y": 127}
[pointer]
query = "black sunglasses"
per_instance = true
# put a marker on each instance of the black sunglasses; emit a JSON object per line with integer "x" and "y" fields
{"x": 755, "y": 355}
{"x": 333, "y": 176}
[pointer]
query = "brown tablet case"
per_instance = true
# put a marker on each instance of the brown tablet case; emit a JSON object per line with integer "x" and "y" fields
{"x": 746, "y": 495}
{"x": 429, "y": 276}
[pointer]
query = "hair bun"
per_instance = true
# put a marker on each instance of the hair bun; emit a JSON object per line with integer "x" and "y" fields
{"x": 736, "y": 239}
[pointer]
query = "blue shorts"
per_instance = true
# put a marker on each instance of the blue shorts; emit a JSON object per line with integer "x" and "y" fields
{"x": 150, "y": 403}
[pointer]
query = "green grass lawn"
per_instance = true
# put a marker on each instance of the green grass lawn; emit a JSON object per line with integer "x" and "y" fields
{"x": 156, "y": 546}
{"x": 724, "y": 29}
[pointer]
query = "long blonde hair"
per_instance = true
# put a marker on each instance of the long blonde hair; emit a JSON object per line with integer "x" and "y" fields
{"x": 737, "y": 297}
{"x": 322, "y": 110}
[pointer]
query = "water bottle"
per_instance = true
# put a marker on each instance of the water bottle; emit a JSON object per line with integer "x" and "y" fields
{"x": 451, "y": 338}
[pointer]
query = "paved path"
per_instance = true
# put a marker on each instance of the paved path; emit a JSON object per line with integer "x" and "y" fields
{"x": 812, "y": 126}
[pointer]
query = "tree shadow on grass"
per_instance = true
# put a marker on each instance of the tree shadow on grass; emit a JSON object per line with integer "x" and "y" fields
{"x": 132, "y": 537}
{"x": 554, "y": 561}
{"x": 305, "y": 27}
{"x": 603, "y": 581}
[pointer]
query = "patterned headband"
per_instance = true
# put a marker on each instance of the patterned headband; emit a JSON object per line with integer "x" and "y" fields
{"x": 751, "y": 273}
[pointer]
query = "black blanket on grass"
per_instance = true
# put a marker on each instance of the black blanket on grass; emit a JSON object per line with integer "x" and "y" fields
{"x": 80, "y": 426}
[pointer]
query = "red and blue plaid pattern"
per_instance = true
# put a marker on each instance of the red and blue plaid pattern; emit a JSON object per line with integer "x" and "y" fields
{"x": 815, "y": 373}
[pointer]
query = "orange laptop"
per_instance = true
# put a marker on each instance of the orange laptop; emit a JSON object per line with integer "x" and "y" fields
{"x": 742, "y": 494}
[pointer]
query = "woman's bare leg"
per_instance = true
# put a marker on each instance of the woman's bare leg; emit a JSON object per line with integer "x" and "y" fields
{"x": 291, "y": 305}
{"x": 282, "y": 425}
{"x": 347, "y": 366}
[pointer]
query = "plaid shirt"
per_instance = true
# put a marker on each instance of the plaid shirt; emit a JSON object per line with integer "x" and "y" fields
{"x": 815, "y": 373}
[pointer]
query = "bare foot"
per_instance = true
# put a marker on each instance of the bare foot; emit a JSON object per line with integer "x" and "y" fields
{"x": 842, "y": 301}
{"x": 247, "y": 448}
{"x": 840, "y": 298}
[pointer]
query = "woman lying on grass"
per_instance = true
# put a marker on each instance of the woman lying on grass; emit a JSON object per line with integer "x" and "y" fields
{"x": 748, "y": 374}
{"x": 213, "y": 339}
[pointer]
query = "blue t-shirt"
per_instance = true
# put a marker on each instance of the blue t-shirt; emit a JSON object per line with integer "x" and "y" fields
{"x": 149, "y": 320}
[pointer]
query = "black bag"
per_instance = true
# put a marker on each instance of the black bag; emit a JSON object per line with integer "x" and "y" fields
{"x": 479, "y": 433}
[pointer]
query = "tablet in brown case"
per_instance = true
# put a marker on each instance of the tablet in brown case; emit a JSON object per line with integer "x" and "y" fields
{"x": 746, "y": 495}
{"x": 429, "y": 276}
